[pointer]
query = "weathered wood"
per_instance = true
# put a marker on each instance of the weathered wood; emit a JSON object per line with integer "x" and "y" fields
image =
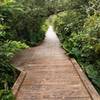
{"x": 94, "y": 94}
{"x": 51, "y": 75}
{"x": 18, "y": 83}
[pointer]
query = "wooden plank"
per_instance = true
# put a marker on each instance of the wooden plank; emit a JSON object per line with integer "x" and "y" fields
{"x": 18, "y": 83}
{"x": 90, "y": 88}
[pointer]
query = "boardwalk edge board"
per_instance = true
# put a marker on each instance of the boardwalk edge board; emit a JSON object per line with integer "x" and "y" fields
{"x": 18, "y": 82}
{"x": 88, "y": 85}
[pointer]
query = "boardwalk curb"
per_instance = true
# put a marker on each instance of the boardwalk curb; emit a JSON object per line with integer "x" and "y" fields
{"x": 18, "y": 82}
{"x": 90, "y": 88}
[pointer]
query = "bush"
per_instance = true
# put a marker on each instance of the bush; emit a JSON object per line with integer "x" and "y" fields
{"x": 68, "y": 22}
{"x": 8, "y": 73}
{"x": 80, "y": 38}
{"x": 23, "y": 22}
{"x": 6, "y": 95}
{"x": 9, "y": 48}
{"x": 7, "y": 51}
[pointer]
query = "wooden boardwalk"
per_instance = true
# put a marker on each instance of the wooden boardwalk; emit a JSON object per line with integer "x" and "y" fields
{"x": 50, "y": 73}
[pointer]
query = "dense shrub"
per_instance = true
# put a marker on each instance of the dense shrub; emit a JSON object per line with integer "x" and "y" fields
{"x": 8, "y": 73}
{"x": 80, "y": 37}
{"x": 9, "y": 48}
{"x": 68, "y": 22}
{"x": 23, "y": 23}
{"x": 6, "y": 95}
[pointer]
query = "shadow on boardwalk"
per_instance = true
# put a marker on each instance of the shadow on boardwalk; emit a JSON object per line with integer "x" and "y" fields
{"x": 50, "y": 73}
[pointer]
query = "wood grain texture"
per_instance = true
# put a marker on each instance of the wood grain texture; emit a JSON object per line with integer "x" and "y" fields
{"x": 51, "y": 75}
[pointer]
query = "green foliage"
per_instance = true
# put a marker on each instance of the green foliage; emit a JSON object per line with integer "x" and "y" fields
{"x": 7, "y": 71}
{"x": 68, "y": 22}
{"x": 23, "y": 22}
{"x": 92, "y": 26}
{"x": 6, "y": 95}
{"x": 9, "y": 48}
{"x": 78, "y": 29}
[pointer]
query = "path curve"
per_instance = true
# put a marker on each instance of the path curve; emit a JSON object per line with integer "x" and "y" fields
{"x": 50, "y": 73}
